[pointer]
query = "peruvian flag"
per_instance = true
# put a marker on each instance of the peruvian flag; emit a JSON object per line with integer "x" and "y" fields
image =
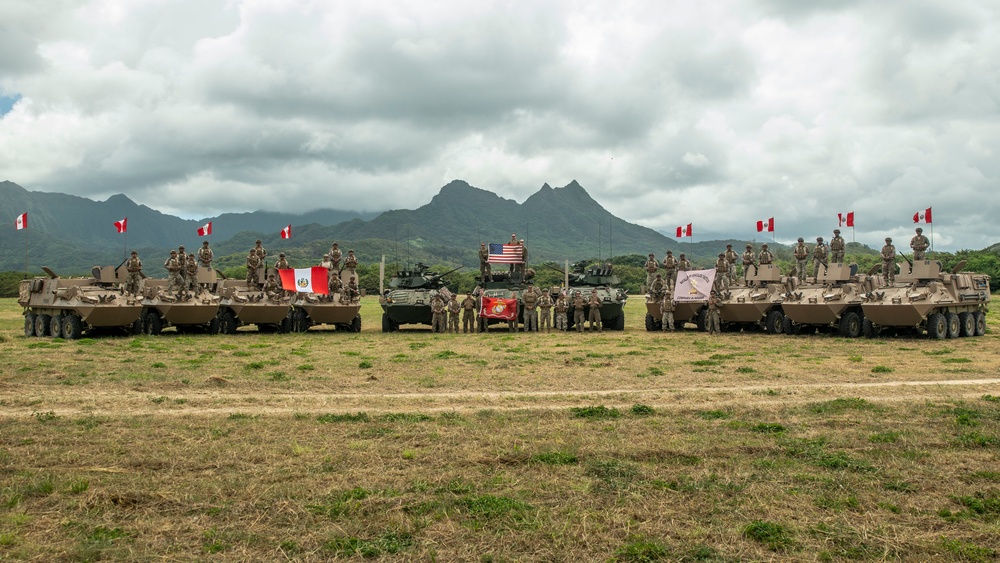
{"x": 922, "y": 216}
{"x": 286, "y": 232}
{"x": 306, "y": 280}
{"x": 21, "y": 222}
{"x": 766, "y": 225}
{"x": 205, "y": 230}
{"x": 845, "y": 219}
{"x": 684, "y": 231}
{"x": 498, "y": 308}
{"x": 122, "y": 225}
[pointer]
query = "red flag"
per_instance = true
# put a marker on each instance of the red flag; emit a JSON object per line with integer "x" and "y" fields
{"x": 21, "y": 222}
{"x": 286, "y": 232}
{"x": 845, "y": 219}
{"x": 766, "y": 225}
{"x": 122, "y": 225}
{"x": 684, "y": 231}
{"x": 924, "y": 216}
{"x": 206, "y": 230}
{"x": 305, "y": 280}
{"x": 498, "y": 308}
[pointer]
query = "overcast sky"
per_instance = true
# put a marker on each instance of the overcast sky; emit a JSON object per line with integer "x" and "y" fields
{"x": 717, "y": 113}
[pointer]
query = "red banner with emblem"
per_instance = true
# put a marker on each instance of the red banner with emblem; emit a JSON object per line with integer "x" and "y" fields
{"x": 497, "y": 308}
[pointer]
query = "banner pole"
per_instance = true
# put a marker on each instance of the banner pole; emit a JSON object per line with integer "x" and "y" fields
{"x": 26, "y": 252}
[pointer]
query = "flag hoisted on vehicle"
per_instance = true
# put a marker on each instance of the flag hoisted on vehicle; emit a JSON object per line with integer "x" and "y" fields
{"x": 504, "y": 253}
{"x": 767, "y": 225}
{"x": 122, "y": 225}
{"x": 498, "y": 308}
{"x": 305, "y": 280}
{"x": 286, "y": 232}
{"x": 922, "y": 216}
{"x": 21, "y": 222}
{"x": 206, "y": 230}
{"x": 693, "y": 285}
{"x": 845, "y": 219}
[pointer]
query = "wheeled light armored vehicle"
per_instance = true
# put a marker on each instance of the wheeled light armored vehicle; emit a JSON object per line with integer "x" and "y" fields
{"x": 242, "y": 305}
{"x": 311, "y": 309}
{"x": 194, "y": 310}
{"x": 604, "y": 281}
{"x": 834, "y": 302}
{"x": 758, "y": 304}
{"x": 66, "y": 307}
{"x": 684, "y": 312}
{"x": 945, "y": 304}
{"x": 408, "y": 299}
{"x": 504, "y": 285}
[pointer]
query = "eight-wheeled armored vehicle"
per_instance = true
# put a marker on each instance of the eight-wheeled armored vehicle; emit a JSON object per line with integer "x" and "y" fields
{"x": 408, "y": 298}
{"x": 758, "y": 303}
{"x": 833, "y": 302}
{"x": 66, "y": 307}
{"x": 604, "y": 281}
{"x": 188, "y": 311}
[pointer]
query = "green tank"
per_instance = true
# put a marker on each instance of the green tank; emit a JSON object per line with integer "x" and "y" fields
{"x": 66, "y": 307}
{"x": 408, "y": 297}
{"x": 604, "y": 280}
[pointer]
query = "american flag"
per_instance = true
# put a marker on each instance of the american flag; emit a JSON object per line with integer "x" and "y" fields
{"x": 504, "y": 253}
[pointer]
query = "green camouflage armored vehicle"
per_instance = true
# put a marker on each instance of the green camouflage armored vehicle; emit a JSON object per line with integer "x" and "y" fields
{"x": 312, "y": 309}
{"x": 408, "y": 298}
{"x": 834, "y": 302}
{"x": 241, "y": 305}
{"x": 66, "y": 307}
{"x": 604, "y": 280}
{"x": 944, "y": 304}
{"x": 186, "y": 311}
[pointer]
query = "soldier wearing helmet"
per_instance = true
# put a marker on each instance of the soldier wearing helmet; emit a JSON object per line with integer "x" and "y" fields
{"x": 919, "y": 243}
{"x": 801, "y": 254}
{"x": 731, "y": 257}
{"x": 174, "y": 268}
{"x": 259, "y": 249}
{"x": 819, "y": 256}
{"x": 485, "y": 271}
{"x": 766, "y": 257}
{"x": 670, "y": 269}
{"x": 683, "y": 264}
{"x": 721, "y": 272}
{"x": 281, "y": 264}
{"x": 335, "y": 255}
{"x": 749, "y": 260}
{"x": 714, "y": 316}
{"x": 205, "y": 255}
{"x": 134, "y": 267}
{"x": 889, "y": 260}
{"x": 651, "y": 266}
{"x": 837, "y": 247}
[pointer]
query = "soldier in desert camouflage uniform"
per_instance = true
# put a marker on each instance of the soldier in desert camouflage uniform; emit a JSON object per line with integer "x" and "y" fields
{"x": 801, "y": 254}
{"x": 837, "y": 247}
{"x": 889, "y": 261}
{"x": 182, "y": 259}
{"x": 281, "y": 264}
{"x": 721, "y": 272}
{"x": 578, "y": 313}
{"x": 651, "y": 266}
{"x": 656, "y": 290}
{"x": 714, "y": 316}
{"x": 667, "y": 311}
{"x": 819, "y": 256}
{"x": 453, "y": 310}
{"x": 485, "y": 270}
{"x": 683, "y": 264}
{"x": 919, "y": 243}
{"x": 560, "y": 310}
{"x": 766, "y": 256}
{"x": 205, "y": 255}
{"x": 134, "y": 268}
{"x": 530, "y": 301}
{"x": 670, "y": 269}
{"x": 595, "y": 311}
{"x": 439, "y": 314}
{"x": 335, "y": 255}
{"x": 749, "y": 259}
{"x": 253, "y": 268}
{"x": 191, "y": 269}
{"x": 545, "y": 312}
{"x": 259, "y": 249}
{"x": 174, "y": 268}
{"x": 731, "y": 257}
{"x": 468, "y": 313}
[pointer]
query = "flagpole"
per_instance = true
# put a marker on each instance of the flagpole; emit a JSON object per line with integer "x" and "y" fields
{"x": 25, "y": 252}
{"x": 932, "y": 236}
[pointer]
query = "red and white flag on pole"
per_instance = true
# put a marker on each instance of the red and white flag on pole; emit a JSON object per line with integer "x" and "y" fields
{"x": 306, "y": 280}
{"x": 205, "y": 230}
{"x": 684, "y": 230}
{"x": 767, "y": 225}
{"x": 845, "y": 219}
{"x": 122, "y": 225}
{"x": 286, "y": 232}
{"x": 922, "y": 216}
{"x": 21, "y": 222}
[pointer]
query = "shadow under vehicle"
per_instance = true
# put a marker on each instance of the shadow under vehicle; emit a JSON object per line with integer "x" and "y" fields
{"x": 66, "y": 307}
{"x": 604, "y": 281}
{"x": 833, "y": 303}
{"x": 944, "y": 304}
{"x": 243, "y": 305}
{"x": 408, "y": 299}
{"x": 187, "y": 310}
{"x": 312, "y": 309}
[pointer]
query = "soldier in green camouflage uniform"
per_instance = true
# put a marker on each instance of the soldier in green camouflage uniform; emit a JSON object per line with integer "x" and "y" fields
{"x": 889, "y": 261}
{"x": 253, "y": 267}
{"x": 560, "y": 310}
{"x": 530, "y": 302}
{"x": 174, "y": 268}
{"x": 453, "y": 310}
{"x": 801, "y": 254}
{"x": 594, "y": 315}
{"x": 837, "y": 247}
{"x": 670, "y": 269}
{"x": 667, "y": 311}
{"x": 651, "y": 266}
{"x": 545, "y": 312}
{"x": 578, "y": 313}
{"x": 134, "y": 268}
{"x": 919, "y": 243}
{"x": 766, "y": 257}
{"x": 205, "y": 255}
{"x": 819, "y": 256}
{"x": 485, "y": 269}
{"x": 438, "y": 314}
{"x": 468, "y": 313}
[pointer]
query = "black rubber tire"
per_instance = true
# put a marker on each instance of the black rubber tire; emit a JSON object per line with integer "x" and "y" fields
{"x": 937, "y": 326}
{"x": 214, "y": 325}
{"x": 620, "y": 322}
{"x": 967, "y": 324}
{"x": 42, "y": 324}
{"x": 356, "y": 324}
{"x": 869, "y": 329}
{"x": 55, "y": 326}
{"x": 679, "y": 325}
{"x": 386, "y": 323}
{"x": 227, "y": 321}
{"x": 29, "y": 324}
{"x": 286, "y": 324}
{"x": 701, "y": 319}
{"x": 153, "y": 324}
{"x": 649, "y": 322}
{"x": 980, "y": 323}
{"x": 954, "y": 327}
{"x": 774, "y": 323}
{"x": 72, "y": 327}
{"x": 300, "y": 321}
{"x": 850, "y": 325}
{"x": 136, "y": 327}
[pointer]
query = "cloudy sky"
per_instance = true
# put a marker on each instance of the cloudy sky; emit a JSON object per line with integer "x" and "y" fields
{"x": 717, "y": 113}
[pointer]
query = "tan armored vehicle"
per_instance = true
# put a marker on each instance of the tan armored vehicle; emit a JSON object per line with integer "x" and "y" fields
{"x": 925, "y": 298}
{"x": 185, "y": 310}
{"x": 685, "y": 312}
{"x": 758, "y": 304}
{"x": 66, "y": 307}
{"x": 242, "y": 305}
{"x": 834, "y": 302}
{"x": 310, "y": 309}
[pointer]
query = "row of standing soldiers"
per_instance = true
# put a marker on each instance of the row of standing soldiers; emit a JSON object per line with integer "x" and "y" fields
{"x": 540, "y": 311}
{"x": 182, "y": 269}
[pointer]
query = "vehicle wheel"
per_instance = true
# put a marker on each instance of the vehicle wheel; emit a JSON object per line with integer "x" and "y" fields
{"x": 72, "y": 327}
{"x": 937, "y": 326}
{"x": 701, "y": 320}
{"x": 679, "y": 325}
{"x": 869, "y": 329}
{"x": 788, "y": 327}
{"x": 775, "y": 322}
{"x": 214, "y": 325}
{"x": 356, "y": 324}
{"x": 300, "y": 321}
{"x": 42, "y": 324}
{"x": 386, "y": 323}
{"x": 649, "y": 322}
{"x": 954, "y": 327}
{"x": 29, "y": 324}
{"x": 136, "y": 327}
{"x": 967, "y": 323}
{"x": 850, "y": 325}
{"x": 620, "y": 322}
{"x": 227, "y": 321}
{"x": 286, "y": 324}
{"x": 55, "y": 326}
{"x": 153, "y": 323}
{"x": 980, "y": 323}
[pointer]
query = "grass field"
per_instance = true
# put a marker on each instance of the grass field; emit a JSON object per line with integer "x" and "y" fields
{"x": 618, "y": 446}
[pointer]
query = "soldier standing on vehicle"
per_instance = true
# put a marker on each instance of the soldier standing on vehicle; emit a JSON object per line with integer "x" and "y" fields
{"x": 919, "y": 243}
{"x": 513, "y": 240}
{"x": 438, "y": 313}
{"x": 335, "y": 255}
{"x": 561, "y": 308}
{"x": 530, "y": 302}
{"x": 191, "y": 269}
{"x": 545, "y": 312}
{"x": 714, "y": 317}
{"x": 595, "y": 311}
{"x": 173, "y": 267}
{"x": 766, "y": 257}
{"x": 683, "y": 265}
{"x": 468, "y": 313}
{"x": 667, "y": 311}
{"x": 205, "y": 256}
{"x": 182, "y": 260}
{"x": 889, "y": 261}
{"x": 326, "y": 263}
{"x": 578, "y": 316}
{"x": 259, "y": 249}
{"x": 524, "y": 258}
{"x": 656, "y": 290}
{"x": 253, "y": 266}
{"x": 670, "y": 269}
{"x": 721, "y": 272}
{"x": 837, "y": 247}
{"x": 731, "y": 258}
{"x": 281, "y": 264}
{"x": 801, "y": 253}
{"x": 454, "y": 308}
{"x": 748, "y": 261}
{"x": 485, "y": 271}
{"x": 819, "y": 256}
{"x": 134, "y": 268}
{"x": 651, "y": 266}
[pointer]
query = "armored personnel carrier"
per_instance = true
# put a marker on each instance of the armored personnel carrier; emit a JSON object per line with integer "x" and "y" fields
{"x": 311, "y": 309}
{"x": 757, "y": 304}
{"x": 604, "y": 280}
{"x": 66, "y": 307}
{"x": 504, "y": 285}
{"x": 833, "y": 302}
{"x": 685, "y": 312}
{"x": 187, "y": 311}
{"x": 408, "y": 299}
{"x": 241, "y": 305}
{"x": 944, "y": 304}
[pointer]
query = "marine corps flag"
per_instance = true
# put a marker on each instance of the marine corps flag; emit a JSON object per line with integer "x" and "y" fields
{"x": 498, "y": 308}
{"x": 122, "y": 225}
{"x": 305, "y": 280}
{"x": 286, "y": 232}
{"x": 845, "y": 219}
{"x": 206, "y": 230}
{"x": 922, "y": 216}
